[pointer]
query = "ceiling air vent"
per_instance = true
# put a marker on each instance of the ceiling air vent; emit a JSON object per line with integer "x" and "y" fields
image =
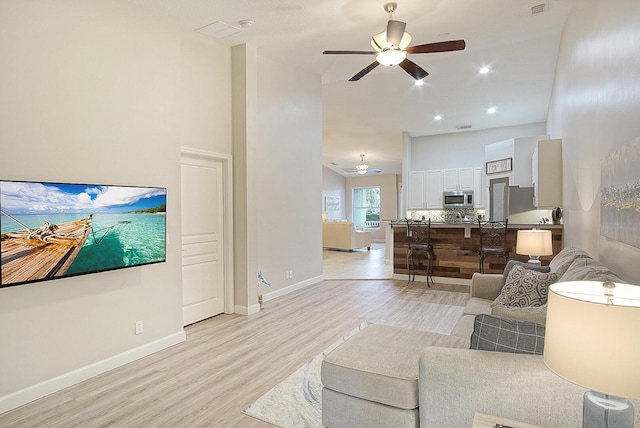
{"x": 463, "y": 127}
{"x": 538, "y": 9}
{"x": 218, "y": 30}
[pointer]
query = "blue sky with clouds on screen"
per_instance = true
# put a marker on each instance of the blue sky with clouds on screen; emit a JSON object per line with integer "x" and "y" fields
{"x": 48, "y": 198}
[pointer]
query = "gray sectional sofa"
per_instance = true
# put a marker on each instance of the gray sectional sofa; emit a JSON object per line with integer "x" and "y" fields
{"x": 387, "y": 376}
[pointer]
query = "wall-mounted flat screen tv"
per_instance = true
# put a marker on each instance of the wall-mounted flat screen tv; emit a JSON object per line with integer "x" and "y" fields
{"x": 56, "y": 230}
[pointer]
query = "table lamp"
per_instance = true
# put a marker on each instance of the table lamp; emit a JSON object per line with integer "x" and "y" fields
{"x": 534, "y": 243}
{"x": 592, "y": 339}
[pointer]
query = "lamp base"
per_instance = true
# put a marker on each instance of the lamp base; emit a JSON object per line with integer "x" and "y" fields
{"x": 534, "y": 260}
{"x": 606, "y": 411}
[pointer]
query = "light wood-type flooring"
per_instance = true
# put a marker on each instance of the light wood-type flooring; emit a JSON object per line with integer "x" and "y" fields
{"x": 229, "y": 361}
{"x": 359, "y": 264}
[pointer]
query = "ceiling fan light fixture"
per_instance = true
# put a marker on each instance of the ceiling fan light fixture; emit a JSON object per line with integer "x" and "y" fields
{"x": 391, "y": 57}
{"x": 362, "y": 168}
{"x": 379, "y": 42}
{"x": 406, "y": 40}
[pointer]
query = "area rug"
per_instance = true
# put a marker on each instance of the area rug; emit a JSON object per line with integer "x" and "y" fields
{"x": 296, "y": 402}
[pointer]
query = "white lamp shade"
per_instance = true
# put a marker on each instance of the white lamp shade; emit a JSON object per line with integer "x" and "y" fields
{"x": 593, "y": 342}
{"x": 534, "y": 242}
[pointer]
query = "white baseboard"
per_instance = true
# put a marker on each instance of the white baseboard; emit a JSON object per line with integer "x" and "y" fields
{"x": 440, "y": 279}
{"x": 294, "y": 287}
{"x": 246, "y": 310}
{"x": 254, "y": 309}
{"x": 34, "y": 392}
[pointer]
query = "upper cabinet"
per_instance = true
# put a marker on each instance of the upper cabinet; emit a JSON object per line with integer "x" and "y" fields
{"x": 458, "y": 179}
{"x": 546, "y": 168}
{"x": 480, "y": 189}
{"x": 416, "y": 190}
{"x": 426, "y": 187}
{"x": 434, "y": 189}
{"x": 465, "y": 178}
{"x": 450, "y": 179}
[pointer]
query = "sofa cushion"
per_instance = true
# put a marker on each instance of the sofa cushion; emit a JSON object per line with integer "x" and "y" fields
{"x": 476, "y": 306}
{"x": 561, "y": 262}
{"x": 588, "y": 269}
{"x": 525, "y": 287}
{"x": 464, "y": 328}
{"x": 512, "y": 263}
{"x": 504, "y": 335}
{"x": 380, "y": 363}
{"x": 537, "y": 314}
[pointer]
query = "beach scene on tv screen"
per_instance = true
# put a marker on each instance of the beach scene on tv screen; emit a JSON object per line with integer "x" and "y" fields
{"x": 53, "y": 230}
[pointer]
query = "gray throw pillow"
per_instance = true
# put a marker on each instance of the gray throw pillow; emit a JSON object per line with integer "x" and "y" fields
{"x": 512, "y": 263}
{"x": 503, "y": 335}
{"x": 525, "y": 287}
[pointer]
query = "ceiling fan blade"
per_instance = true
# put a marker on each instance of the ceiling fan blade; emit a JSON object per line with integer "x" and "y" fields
{"x": 451, "y": 45}
{"x": 364, "y": 71}
{"x": 395, "y": 31}
{"x": 413, "y": 69}
{"x": 349, "y": 52}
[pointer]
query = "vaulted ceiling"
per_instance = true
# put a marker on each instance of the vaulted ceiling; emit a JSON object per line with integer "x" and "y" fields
{"x": 370, "y": 115}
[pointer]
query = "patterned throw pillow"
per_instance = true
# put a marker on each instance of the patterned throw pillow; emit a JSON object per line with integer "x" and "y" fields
{"x": 503, "y": 335}
{"x": 512, "y": 263}
{"x": 525, "y": 287}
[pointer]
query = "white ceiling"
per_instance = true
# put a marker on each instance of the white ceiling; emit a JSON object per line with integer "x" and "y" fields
{"x": 370, "y": 115}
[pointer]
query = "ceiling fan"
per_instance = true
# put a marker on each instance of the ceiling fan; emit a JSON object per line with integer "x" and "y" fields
{"x": 392, "y": 46}
{"x": 362, "y": 168}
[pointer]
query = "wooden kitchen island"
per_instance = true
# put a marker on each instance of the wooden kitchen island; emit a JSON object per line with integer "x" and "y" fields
{"x": 456, "y": 256}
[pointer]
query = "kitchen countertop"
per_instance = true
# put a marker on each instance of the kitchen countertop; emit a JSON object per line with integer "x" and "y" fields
{"x": 441, "y": 225}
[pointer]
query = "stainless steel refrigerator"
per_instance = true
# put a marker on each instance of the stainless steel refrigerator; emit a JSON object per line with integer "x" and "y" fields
{"x": 517, "y": 200}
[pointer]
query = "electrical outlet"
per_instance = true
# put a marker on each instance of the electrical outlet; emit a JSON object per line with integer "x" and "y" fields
{"x": 139, "y": 327}
{"x": 290, "y": 274}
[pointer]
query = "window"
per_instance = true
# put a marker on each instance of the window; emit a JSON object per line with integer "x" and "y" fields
{"x": 366, "y": 207}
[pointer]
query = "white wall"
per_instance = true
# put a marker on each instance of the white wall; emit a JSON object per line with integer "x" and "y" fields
{"x": 594, "y": 109}
{"x": 286, "y": 159}
{"x": 334, "y": 184}
{"x": 463, "y": 149}
{"x": 205, "y": 94}
{"x": 91, "y": 94}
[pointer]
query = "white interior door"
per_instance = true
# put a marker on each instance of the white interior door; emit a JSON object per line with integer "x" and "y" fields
{"x": 202, "y": 238}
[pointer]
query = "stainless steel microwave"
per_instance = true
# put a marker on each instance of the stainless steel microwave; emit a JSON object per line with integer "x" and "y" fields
{"x": 458, "y": 198}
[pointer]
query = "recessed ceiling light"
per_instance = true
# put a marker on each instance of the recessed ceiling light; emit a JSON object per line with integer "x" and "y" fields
{"x": 484, "y": 70}
{"x": 492, "y": 110}
{"x": 437, "y": 117}
{"x": 419, "y": 82}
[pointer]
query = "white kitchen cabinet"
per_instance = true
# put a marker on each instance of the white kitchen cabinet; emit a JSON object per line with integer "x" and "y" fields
{"x": 416, "y": 190}
{"x": 465, "y": 178}
{"x": 426, "y": 187}
{"x": 479, "y": 188}
{"x": 434, "y": 188}
{"x": 546, "y": 168}
{"x": 451, "y": 179}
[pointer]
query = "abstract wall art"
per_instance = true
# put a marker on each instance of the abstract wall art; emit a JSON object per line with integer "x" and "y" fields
{"x": 620, "y": 195}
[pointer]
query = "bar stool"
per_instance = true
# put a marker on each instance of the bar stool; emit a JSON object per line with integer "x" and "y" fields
{"x": 493, "y": 241}
{"x": 419, "y": 237}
